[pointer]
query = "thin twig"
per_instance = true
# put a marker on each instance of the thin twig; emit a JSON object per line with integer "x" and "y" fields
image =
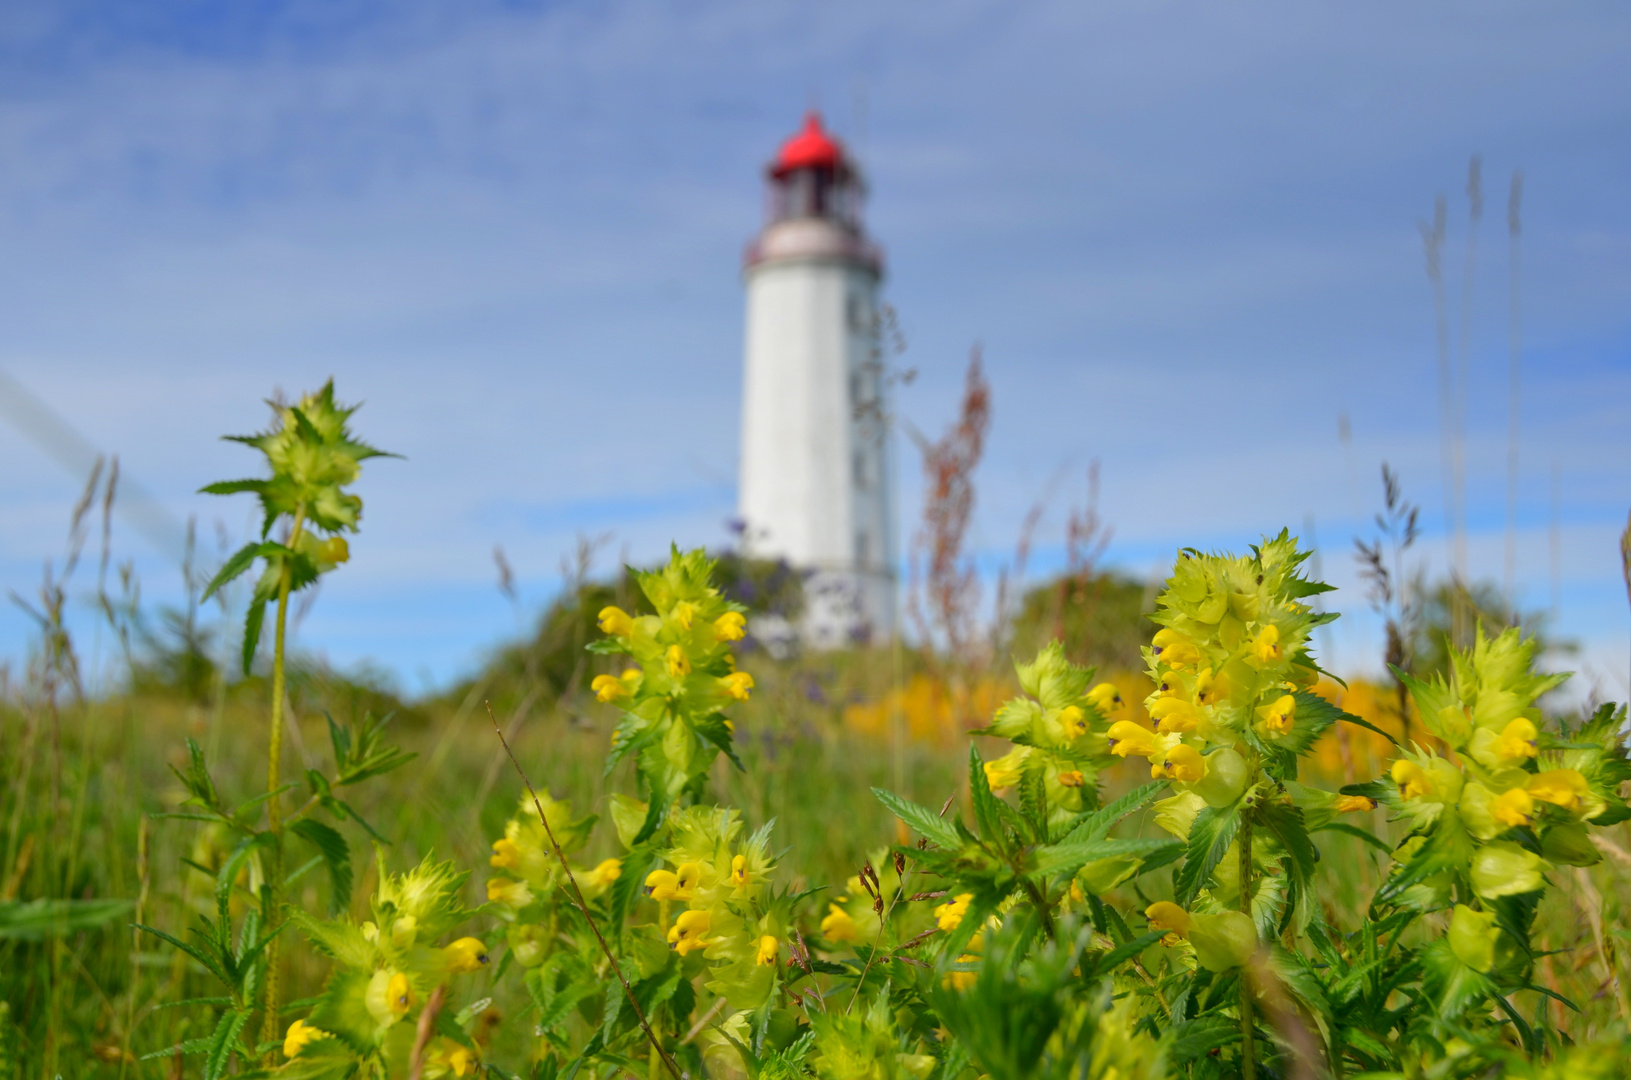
{"x": 703, "y": 1021}
{"x": 427, "y": 1023}
{"x": 577, "y": 897}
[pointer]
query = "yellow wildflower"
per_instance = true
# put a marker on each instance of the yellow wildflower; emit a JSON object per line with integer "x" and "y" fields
{"x": 1266, "y": 645}
{"x": 690, "y": 931}
{"x": 686, "y": 879}
{"x": 1353, "y": 804}
{"x": 1279, "y": 716}
{"x": 1183, "y": 764}
{"x": 766, "y": 953}
{"x": 1413, "y": 781}
{"x": 505, "y": 854}
{"x": 301, "y": 1033}
{"x": 615, "y": 621}
{"x": 738, "y": 685}
{"x": 1174, "y": 649}
{"x": 1073, "y": 721}
{"x": 455, "y": 1057}
{"x": 950, "y": 914}
{"x": 838, "y": 926}
{"x": 678, "y": 664}
{"x": 731, "y": 626}
{"x": 1560, "y": 787}
{"x": 1171, "y": 685}
{"x": 1174, "y": 714}
{"x": 1210, "y": 689}
{"x": 1072, "y": 778}
{"x": 1126, "y": 738}
{"x": 505, "y": 891}
{"x": 334, "y": 550}
{"x": 961, "y": 980}
{"x": 399, "y": 994}
{"x": 1167, "y": 916}
{"x": 1514, "y": 807}
{"x": 684, "y": 614}
{"x": 1104, "y": 697}
{"x": 739, "y": 871}
{"x": 465, "y": 955}
{"x": 606, "y": 872}
{"x": 661, "y": 884}
{"x": 608, "y": 688}
{"x": 1000, "y": 776}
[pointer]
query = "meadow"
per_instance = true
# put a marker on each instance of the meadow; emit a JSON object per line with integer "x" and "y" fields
{"x": 1168, "y": 845}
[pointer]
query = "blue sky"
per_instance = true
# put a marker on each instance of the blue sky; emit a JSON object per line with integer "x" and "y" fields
{"x": 1186, "y": 237}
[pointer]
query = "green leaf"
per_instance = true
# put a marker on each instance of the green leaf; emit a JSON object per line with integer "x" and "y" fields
{"x": 227, "y": 875}
{"x": 35, "y": 920}
{"x": 986, "y": 814}
{"x": 336, "y": 854}
{"x": 211, "y": 964}
{"x": 252, "y": 631}
{"x": 1196, "y": 1038}
{"x": 1072, "y": 857}
{"x": 233, "y": 487}
{"x": 920, "y": 819}
{"x": 1209, "y": 837}
{"x": 224, "y": 1042}
{"x": 1098, "y": 823}
{"x": 714, "y": 730}
{"x": 241, "y": 560}
{"x": 1126, "y": 950}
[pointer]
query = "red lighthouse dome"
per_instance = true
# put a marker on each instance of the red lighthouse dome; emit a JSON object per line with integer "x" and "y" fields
{"x": 810, "y": 148}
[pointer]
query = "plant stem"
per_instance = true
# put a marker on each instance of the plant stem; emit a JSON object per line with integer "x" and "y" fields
{"x": 274, "y": 809}
{"x": 576, "y": 895}
{"x": 1248, "y": 1057}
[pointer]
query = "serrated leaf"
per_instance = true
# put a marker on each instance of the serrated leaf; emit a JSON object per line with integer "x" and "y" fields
{"x": 224, "y": 1043}
{"x": 252, "y": 631}
{"x": 1209, "y": 837}
{"x": 337, "y": 938}
{"x": 920, "y": 819}
{"x": 1098, "y": 823}
{"x": 1072, "y": 857}
{"x": 986, "y": 814}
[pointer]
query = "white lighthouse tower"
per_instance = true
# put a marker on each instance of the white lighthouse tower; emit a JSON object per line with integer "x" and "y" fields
{"x": 816, "y": 476}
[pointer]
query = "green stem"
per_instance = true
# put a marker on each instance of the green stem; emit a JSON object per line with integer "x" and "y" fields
{"x": 1248, "y": 1056}
{"x": 274, "y": 809}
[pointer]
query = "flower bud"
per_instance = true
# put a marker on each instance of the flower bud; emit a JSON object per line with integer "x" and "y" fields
{"x": 1570, "y": 845}
{"x": 731, "y": 626}
{"x": 1223, "y": 941}
{"x": 1473, "y": 935}
{"x": 1505, "y": 869}
{"x": 1226, "y": 777}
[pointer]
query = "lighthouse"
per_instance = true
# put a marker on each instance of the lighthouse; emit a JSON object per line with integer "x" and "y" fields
{"x": 816, "y": 482}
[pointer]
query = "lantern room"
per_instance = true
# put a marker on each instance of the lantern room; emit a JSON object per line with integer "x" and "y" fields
{"x": 812, "y": 177}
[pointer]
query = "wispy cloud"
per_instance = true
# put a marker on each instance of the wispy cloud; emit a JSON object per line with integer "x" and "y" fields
{"x": 1185, "y": 235}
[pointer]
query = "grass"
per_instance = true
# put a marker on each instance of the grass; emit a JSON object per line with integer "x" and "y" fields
{"x": 82, "y": 999}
